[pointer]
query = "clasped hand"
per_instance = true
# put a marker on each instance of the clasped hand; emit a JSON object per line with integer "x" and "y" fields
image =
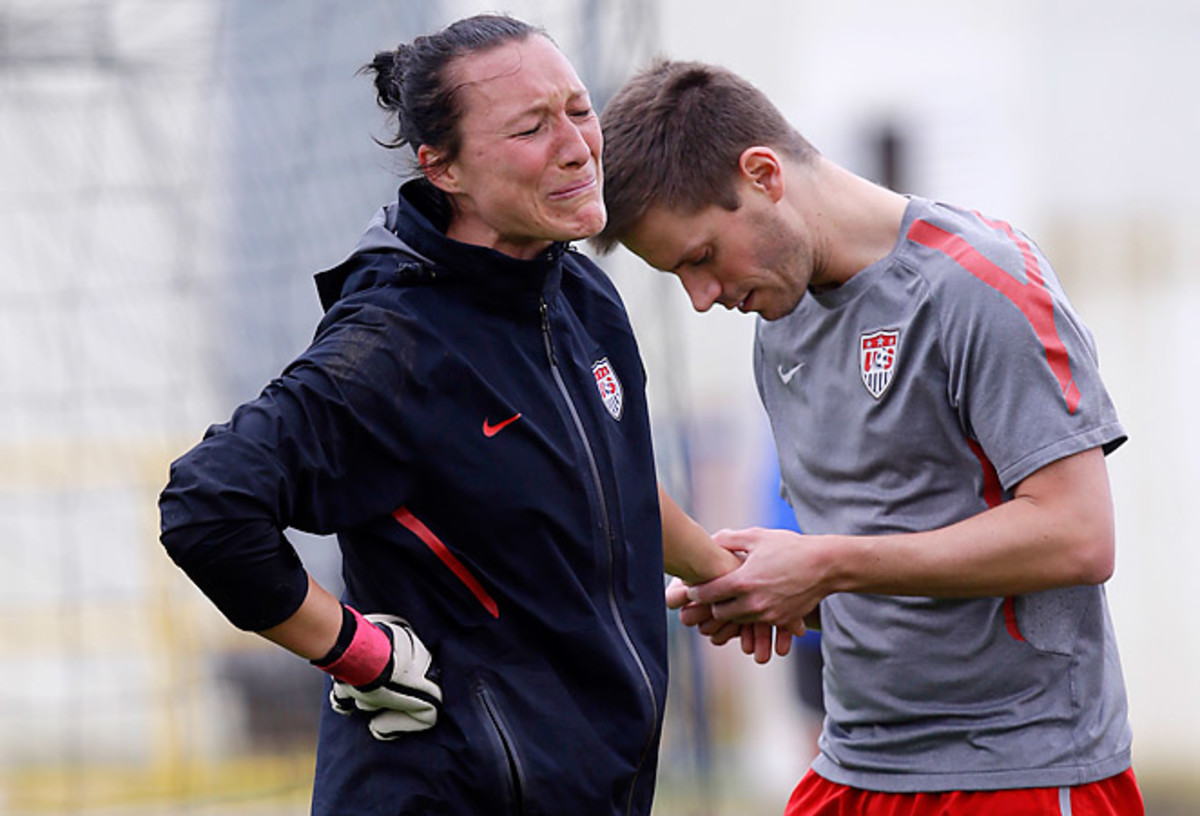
{"x": 770, "y": 597}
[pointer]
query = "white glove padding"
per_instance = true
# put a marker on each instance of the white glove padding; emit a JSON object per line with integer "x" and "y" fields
{"x": 405, "y": 697}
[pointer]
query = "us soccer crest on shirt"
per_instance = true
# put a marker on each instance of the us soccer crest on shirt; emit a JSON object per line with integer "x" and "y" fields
{"x": 877, "y": 356}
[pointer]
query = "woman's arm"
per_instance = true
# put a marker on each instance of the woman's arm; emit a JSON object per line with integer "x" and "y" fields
{"x": 312, "y": 629}
{"x": 689, "y": 552}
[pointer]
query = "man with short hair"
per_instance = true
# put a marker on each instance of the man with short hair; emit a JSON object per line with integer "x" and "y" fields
{"x": 941, "y": 426}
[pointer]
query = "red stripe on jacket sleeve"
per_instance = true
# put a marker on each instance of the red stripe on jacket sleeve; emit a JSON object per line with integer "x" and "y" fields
{"x": 1032, "y": 297}
{"x": 418, "y": 528}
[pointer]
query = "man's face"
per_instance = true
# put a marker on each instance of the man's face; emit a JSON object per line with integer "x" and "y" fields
{"x": 528, "y": 172}
{"x": 751, "y": 259}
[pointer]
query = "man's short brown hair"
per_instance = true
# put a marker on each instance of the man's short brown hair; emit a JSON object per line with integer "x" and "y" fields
{"x": 673, "y": 136}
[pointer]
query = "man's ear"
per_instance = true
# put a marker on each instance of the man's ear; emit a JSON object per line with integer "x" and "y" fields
{"x": 440, "y": 174}
{"x": 762, "y": 168}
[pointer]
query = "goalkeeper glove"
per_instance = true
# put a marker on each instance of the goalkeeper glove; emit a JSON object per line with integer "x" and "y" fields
{"x": 382, "y": 669}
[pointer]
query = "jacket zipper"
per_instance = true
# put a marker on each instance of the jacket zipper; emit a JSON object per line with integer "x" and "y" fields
{"x": 618, "y": 619}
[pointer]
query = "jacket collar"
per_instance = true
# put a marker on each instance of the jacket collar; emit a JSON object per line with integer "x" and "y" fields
{"x": 406, "y": 242}
{"x": 417, "y": 224}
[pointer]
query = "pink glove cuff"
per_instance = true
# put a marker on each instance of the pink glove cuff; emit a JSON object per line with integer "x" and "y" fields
{"x": 365, "y": 657}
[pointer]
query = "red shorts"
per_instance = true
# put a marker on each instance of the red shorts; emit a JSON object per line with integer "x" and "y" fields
{"x": 1116, "y": 796}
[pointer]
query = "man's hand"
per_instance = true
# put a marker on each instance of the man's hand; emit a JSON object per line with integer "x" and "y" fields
{"x": 756, "y": 638}
{"x": 385, "y": 672}
{"x": 778, "y": 582}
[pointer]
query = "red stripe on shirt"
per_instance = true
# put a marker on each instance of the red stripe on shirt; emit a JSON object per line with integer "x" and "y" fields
{"x": 418, "y": 528}
{"x": 993, "y": 494}
{"x": 1010, "y": 618}
{"x": 1031, "y": 297}
{"x": 993, "y": 491}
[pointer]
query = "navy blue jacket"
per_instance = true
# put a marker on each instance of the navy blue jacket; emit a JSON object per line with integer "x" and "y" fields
{"x": 474, "y": 429}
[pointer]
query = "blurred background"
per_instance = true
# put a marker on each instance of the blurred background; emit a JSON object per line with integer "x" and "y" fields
{"x": 173, "y": 172}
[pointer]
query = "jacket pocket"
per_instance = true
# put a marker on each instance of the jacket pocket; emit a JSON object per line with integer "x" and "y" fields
{"x": 503, "y": 750}
{"x": 417, "y": 527}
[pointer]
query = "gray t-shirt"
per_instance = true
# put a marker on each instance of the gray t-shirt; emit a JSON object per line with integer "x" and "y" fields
{"x": 917, "y": 394}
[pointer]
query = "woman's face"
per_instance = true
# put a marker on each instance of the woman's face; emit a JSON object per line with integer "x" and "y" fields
{"x": 528, "y": 171}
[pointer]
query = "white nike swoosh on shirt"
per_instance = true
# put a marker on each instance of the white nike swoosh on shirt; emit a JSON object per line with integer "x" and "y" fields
{"x": 786, "y": 376}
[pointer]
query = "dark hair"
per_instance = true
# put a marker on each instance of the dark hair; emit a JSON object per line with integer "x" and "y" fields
{"x": 414, "y": 85}
{"x": 673, "y": 136}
